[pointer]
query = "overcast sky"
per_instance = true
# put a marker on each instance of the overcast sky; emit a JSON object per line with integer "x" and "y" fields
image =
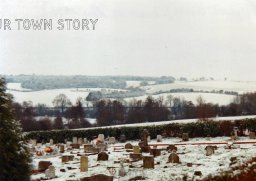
{"x": 189, "y": 38}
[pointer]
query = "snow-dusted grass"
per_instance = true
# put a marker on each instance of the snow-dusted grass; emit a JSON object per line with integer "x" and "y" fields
{"x": 47, "y": 96}
{"x": 133, "y": 83}
{"x": 221, "y": 99}
{"x": 16, "y": 86}
{"x": 236, "y": 86}
{"x": 195, "y": 154}
{"x": 182, "y": 121}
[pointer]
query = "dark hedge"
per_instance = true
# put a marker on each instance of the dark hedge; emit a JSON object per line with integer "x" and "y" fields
{"x": 196, "y": 129}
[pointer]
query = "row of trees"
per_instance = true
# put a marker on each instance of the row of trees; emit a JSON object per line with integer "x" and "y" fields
{"x": 75, "y": 117}
{"x": 111, "y": 112}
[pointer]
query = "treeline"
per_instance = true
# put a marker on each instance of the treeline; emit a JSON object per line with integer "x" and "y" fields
{"x": 131, "y": 92}
{"x": 74, "y": 116}
{"x": 187, "y": 90}
{"x": 40, "y": 82}
{"x": 113, "y": 112}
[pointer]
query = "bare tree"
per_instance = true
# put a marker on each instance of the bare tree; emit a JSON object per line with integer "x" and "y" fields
{"x": 61, "y": 101}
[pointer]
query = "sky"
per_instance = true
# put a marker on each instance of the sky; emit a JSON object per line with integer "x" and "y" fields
{"x": 191, "y": 38}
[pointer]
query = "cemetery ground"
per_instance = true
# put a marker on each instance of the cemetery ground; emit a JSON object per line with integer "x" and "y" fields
{"x": 160, "y": 159}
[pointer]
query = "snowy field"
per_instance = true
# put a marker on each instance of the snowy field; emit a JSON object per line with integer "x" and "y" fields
{"x": 240, "y": 87}
{"x": 47, "y": 96}
{"x": 221, "y": 99}
{"x": 195, "y": 154}
{"x": 181, "y": 121}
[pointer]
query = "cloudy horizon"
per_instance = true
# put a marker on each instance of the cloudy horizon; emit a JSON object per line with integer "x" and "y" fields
{"x": 190, "y": 38}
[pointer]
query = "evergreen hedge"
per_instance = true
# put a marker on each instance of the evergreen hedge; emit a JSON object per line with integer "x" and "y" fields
{"x": 196, "y": 129}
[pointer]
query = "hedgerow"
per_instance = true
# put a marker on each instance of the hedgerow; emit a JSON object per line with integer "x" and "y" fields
{"x": 195, "y": 129}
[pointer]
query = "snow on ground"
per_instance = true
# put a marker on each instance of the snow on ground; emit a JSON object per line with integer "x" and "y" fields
{"x": 47, "y": 96}
{"x": 133, "y": 83}
{"x": 221, "y": 99}
{"x": 229, "y": 118}
{"x": 195, "y": 154}
{"x": 16, "y": 86}
{"x": 237, "y": 86}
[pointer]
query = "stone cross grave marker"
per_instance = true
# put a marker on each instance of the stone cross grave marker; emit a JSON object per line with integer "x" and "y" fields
{"x": 144, "y": 141}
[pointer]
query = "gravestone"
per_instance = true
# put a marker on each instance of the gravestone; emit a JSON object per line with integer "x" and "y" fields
{"x": 33, "y": 142}
{"x": 121, "y": 171}
{"x": 101, "y": 146}
{"x": 172, "y": 148}
{"x": 55, "y": 150}
{"x": 148, "y": 162}
{"x": 252, "y": 135}
{"x": 62, "y": 148}
{"x": 80, "y": 141}
{"x": 144, "y": 141}
{"x": 74, "y": 140}
{"x": 148, "y": 138}
{"x": 173, "y": 158}
{"x": 67, "y": 158}
{"x": 50, "y": 172}
{"x": 155, "y": 152}
{"x": 83, "y": 163}
{"x": 136, "y": 149}
{"x": 189, "y": 164}
{"x": 68, "y": 143}
{"x": 51, "y": 142}
{"x": 159, "y": 138}
{"x": 136, "y": 156}
{"x": 88, "y": 147}
{"x": 210, "y": 150}
{"x": 101, "y": 137}
{"x": 102, "y": 156}
{"x": 185, "y": 137}
{"x": 198, "y": 173}
{"x": 75, "y": 146}
{"x": 85, "y": 141}
{"x": 112, "y": 140}
{"x": 128, "y": 146}
{"x": 122, "y": 138}
{"x": 43, "y": 165}
{"x": 99, "y": 177}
